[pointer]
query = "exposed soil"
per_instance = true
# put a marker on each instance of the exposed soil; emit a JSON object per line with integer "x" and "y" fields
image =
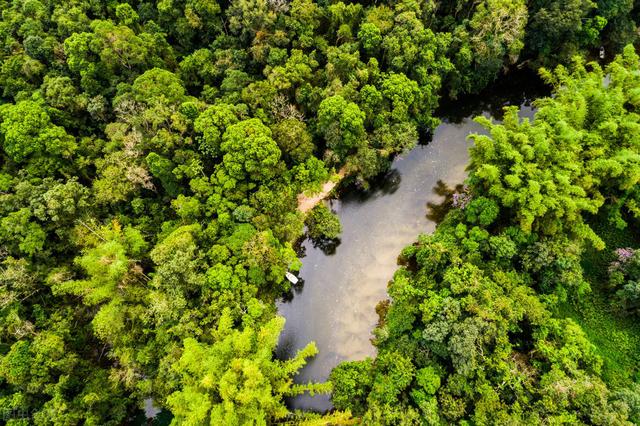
{"x": 308, "y": 202}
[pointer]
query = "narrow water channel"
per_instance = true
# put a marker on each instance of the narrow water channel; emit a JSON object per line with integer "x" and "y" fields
{"x": 335, "y": 306}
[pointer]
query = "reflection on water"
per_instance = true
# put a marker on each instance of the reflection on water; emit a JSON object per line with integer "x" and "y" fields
{"x": 386, "y": 183}
{"x": 519, "y": 89}
{"x": 295, "y": 290}
{"x": 437, "y": 211}
{"x": 328, "y": 246}
{"x": 344, "y": 282}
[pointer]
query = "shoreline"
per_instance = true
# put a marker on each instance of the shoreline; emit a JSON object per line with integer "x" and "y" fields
{"x": 306, "y": 203}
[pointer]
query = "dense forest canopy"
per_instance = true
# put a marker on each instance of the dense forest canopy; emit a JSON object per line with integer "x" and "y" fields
{"x": 152, "y": 155}
{"x": 474, "y": 331}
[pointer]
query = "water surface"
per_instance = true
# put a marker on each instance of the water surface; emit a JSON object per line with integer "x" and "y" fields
{"x": 335, "y": 306}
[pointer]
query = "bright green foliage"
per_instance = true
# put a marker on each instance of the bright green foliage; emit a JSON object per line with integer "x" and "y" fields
{"x": 351, "y": 383}
{"x": 471, "y": 327}
{"x": 212, "y": 123}
{"x": 158, "y": 83}
{"x": 469, "y": 324}
{"x": 162, "y": 169}
{"x": 126, "y": 15}
{"x": 177, "y": 259}
{"x": 106, "y": 266}
{"x": 249, "y": 151}
{"x": 534, "y": 172}
{"x": 550, "y": 172}
{"x": 151, "y": 154}
{"x": 234, "y": 380}
{"x": 402, "y": 94}
{"x": 17, "y": 229}
{"x": 27, "y": 132}
{"x": 342, "y": 124}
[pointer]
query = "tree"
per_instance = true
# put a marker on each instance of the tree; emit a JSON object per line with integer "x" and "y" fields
{"x": 352, "y": 383}
{"x": 322, "y": 223}
{"x": 213, "y": 123}
{"x": 28, "y": 133}
{"x": 17, "y": 230}
{"x": 151, "y": 158}
{"x": 297, "y": 69}
{"x": 107, "y": 266}
{"x": 541, "y": 190}
{"x": 249, "y": 151}
{"x": 569, "y": 22}
{"x": 293, "y": 139}
{"x": 158, "y": 86}
{"x": 497, "y": 31}
{"x": 625, "y": 278}
{"x": 177, "y": 257}
{"x": 470, "y": 333}
{"x": 402, "y": 96}
{"x": 342, "y": 125}
{"x": 234, "y": 380}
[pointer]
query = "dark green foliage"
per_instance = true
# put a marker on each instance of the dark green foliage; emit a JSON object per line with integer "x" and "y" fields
{"x": 472, "y": 326}
{"x": 322, "y": 223}
{"x": 351, "y": 385}
{"x": 151, "y": 154}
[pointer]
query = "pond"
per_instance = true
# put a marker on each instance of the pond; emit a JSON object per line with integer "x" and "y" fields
{"x": 342, "y": 284}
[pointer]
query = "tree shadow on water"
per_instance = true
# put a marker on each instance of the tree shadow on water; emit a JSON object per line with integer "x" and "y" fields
{"x": 327, "y": 245}
{"x": 391, "y": 182}
{"x": 293, "y": 291}
{"x": 384, "y": 184}
{"x": 519, "y": 89}
{"x": 436, "y": 212}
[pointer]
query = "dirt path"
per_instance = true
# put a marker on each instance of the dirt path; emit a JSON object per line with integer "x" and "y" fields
{"x": 306, "y": 202}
